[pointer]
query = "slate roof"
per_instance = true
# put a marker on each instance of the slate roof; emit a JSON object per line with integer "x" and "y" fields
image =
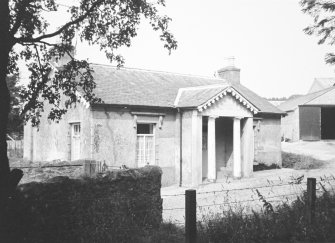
{"x": 292, "y": 104}
{"x": 196, "y": 96}
{"x": 127, "y": 86}
{"x": 203, "y": 97}
{"x": 262, "y": 104}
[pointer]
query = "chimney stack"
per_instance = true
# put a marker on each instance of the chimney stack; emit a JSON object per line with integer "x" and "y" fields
{"x": 230, "y": 73}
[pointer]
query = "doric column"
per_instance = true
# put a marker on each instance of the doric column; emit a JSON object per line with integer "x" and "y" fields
{"x": 196, "y": 143}
{"x": 237, "y": 168}
{"x": 211, "y": 149}
{"x": 248, "y": 147}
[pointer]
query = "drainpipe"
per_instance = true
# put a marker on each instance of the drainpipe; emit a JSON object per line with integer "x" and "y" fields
{"x": 180, "y": 147}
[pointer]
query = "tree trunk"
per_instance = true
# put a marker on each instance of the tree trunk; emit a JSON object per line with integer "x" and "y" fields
{"x": 4, "y": 102}
{"x": 8, "y": 181}
{"x": 4, "y": 93}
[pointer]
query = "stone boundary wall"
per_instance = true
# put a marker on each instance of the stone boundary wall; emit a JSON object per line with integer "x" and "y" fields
{"x": 116, "y": 206}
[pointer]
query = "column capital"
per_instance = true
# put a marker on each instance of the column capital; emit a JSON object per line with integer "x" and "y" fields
{"x": 213, "y": 117}
{"x": 238, "y": 118}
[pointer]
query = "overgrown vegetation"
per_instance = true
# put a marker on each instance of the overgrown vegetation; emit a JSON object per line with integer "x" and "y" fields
{"x": 120, "y": 206}
{"x": 284, "y": 223}
{"x": 301, "y": 162}
{"x": 90, "y": 215}
{"x": 262, "y": 166}
{"x": 288, "y": 223}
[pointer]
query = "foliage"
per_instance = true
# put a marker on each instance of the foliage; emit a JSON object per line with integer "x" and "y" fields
{"x": 301, "y": 162}
{"x": 120, "y": 206}
{"x": 167, "y": 233}
{"x": 262, "y": 166}
{"x": 284, "y": 98}
{"x": 323, "y": 13}
{"x": 15, "y": 123}
{"x": 110, "y": 24}
{"x": 287, "y": 223}
{"x": 277, "y": 98}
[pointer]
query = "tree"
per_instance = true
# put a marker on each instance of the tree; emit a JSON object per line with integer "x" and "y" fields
{"x": 323, "y": 13}
{"x": 107, "y": 23}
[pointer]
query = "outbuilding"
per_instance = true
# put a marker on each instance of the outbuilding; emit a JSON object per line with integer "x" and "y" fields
{"x": 310, "y": 117}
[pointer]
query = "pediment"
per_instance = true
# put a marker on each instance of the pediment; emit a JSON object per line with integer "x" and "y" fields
{"x": 228, "y": 103}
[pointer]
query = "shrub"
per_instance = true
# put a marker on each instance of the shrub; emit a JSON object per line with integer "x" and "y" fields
{"x": 301, "y": 162}
{"x": 167, "y": 233}
{"x": 262, "y": 166}
{"x": 120, "y": 206}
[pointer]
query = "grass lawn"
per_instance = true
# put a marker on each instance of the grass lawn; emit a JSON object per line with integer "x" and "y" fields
{"x": 301, "y": 162}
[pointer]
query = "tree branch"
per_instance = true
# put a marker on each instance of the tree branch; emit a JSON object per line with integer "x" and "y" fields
{"x": 41, "y": 42}
{"x": 38, "y": 88}
{"x": 19, "y": 18}
{"x": 64, "y": 27}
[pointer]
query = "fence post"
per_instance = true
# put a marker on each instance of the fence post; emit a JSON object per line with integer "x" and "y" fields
{"x": 311, "y": 196}
{"x": 190, "y": 216}
{"x": 89, "y": 167}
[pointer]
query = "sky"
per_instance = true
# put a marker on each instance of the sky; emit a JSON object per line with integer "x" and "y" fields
{"x": 266, "y": 38}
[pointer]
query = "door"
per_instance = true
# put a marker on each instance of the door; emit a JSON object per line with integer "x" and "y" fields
{"x": 75, "y": 141}
{"x": 310, "y": 123}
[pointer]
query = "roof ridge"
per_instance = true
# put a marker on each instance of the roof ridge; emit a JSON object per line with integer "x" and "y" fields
{"x": 321, "y": 93}
{"x": 311, "y": 94}
{"x": 157, "y": 71}
{"x": 303, "y": 99}
{"x": 209, "y": 86}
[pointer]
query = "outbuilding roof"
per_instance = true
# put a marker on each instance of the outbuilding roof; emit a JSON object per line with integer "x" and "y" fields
{"x": 292, "y": 104}
{"x": 128, "y": 86}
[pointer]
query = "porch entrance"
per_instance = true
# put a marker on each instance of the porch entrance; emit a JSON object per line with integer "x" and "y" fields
{"x": 223, "y": 147}
{"x": 224, "y": 138}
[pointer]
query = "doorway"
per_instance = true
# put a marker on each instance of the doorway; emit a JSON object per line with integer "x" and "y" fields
{"x": 328, "y": 123}
{"x": 223, "y": 147}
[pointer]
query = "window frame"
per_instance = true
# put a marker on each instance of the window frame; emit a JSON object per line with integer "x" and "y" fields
{"x": 145, "y": 136}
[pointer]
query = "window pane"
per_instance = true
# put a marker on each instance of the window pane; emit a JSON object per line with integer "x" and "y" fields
{"x": 145, "y": 150}
{"x": 149, "y": 147}
{"x": 144, "y": 128}
{"x": 140, "y": 150}
{"x": 76, "y": 129}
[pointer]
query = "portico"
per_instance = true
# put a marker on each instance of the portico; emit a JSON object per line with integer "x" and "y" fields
{"x": 222, "y": 138}
{"x": 236, "y": 155}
